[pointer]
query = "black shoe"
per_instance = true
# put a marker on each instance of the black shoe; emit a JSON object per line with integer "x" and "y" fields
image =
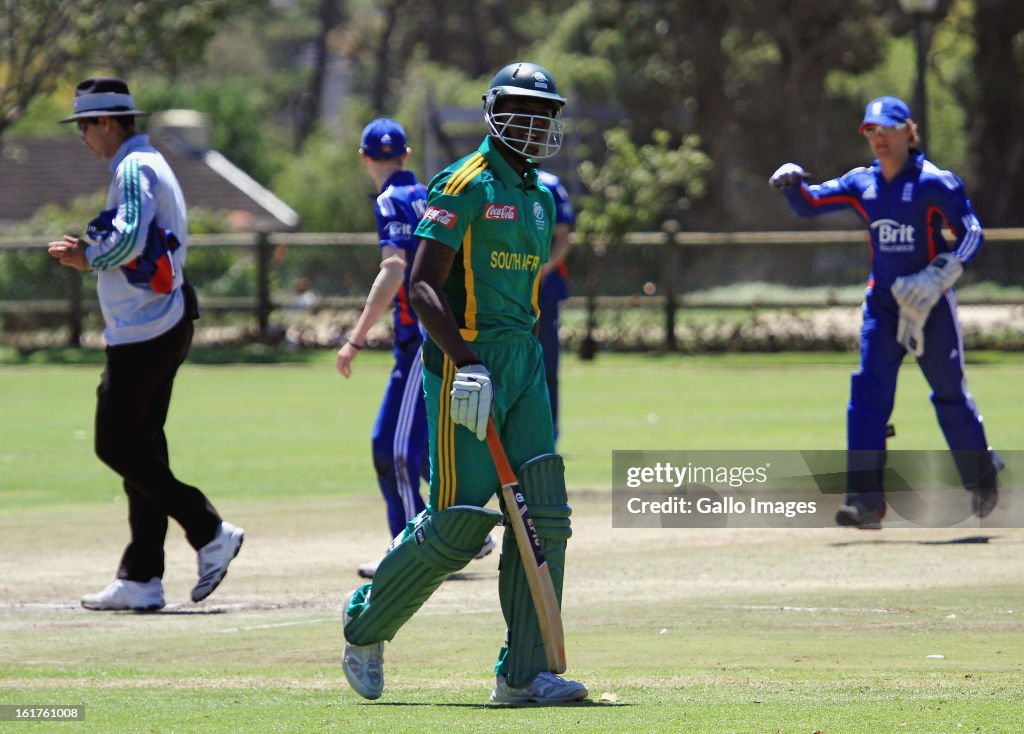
{"x": 983, "y": 501}
{"x": 854, "y": 516}
{"x": 985, "y": 494}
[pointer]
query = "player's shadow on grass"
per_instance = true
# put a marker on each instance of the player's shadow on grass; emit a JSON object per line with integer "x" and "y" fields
{"x": 502, "y": 706}
{"x": 165, "y": 612}
{"x": 967, "y": 540}
{"x": 471, "y": 575}
{"x": 207, "y": 612}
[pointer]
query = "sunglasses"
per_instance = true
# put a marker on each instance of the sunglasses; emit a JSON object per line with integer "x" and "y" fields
{"x": 872, "y": 130}
{"x": 83, "y": 124}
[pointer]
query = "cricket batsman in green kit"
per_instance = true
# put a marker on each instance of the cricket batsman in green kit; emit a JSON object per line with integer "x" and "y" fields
{"x": 474, "y": 284}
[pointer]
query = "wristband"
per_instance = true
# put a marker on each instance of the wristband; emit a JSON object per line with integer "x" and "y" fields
{"x": 467, "y": 363}
{"x": 355, "y": 346}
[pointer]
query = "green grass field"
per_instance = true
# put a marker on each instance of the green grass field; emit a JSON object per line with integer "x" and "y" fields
{"x": 710, "y": 630}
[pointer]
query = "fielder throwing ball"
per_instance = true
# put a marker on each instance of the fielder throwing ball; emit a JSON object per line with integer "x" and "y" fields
{"x": 484, "y": 237}
{"x": 910, "y": 305}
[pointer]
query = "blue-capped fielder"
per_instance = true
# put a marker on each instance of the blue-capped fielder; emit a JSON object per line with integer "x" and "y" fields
{"x": 399, "y": 437}
{"x": 910, "y": 304}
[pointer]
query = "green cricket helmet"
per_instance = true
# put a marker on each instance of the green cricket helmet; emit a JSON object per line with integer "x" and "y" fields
{"x": 528, "y": 135}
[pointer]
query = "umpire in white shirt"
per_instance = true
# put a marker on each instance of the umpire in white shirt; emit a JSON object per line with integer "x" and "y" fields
{"x": 137, "y": 249}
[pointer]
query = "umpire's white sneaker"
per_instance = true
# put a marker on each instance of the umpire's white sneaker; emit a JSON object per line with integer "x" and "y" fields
{"x": 363, "y": 665}
{"x": 138, "y": 596}
{"x": 214, "y": 558}
{"x": 486, "y": 548}
{"x": 544, "y": 688}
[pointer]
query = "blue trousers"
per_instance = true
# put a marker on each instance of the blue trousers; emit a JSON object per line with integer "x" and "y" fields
{"x": 399, "y": 438}
{"x": 873, "y": 393}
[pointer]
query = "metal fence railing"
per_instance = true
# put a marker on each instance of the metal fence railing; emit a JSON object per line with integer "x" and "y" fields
{"x": 657, "y": 274}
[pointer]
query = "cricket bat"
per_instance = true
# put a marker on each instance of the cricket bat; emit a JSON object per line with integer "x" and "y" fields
{"x": 538, "y": 576}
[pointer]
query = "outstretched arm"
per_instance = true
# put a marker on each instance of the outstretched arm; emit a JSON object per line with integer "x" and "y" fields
{"x": 809, "y": 200}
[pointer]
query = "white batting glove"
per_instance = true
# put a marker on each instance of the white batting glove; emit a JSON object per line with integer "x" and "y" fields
{"x": 910, "y": 329}
{"x": 788, "y": 174}
{"x": 923, "y": 289}
{"x": 472, "y": 395}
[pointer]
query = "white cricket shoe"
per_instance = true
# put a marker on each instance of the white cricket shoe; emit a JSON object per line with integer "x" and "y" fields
{"x": 138, "y": 596}
{"x": 486, "y": 548}
{"x": 544, "y": 688}
{"x": 214, "y": 557}
{"x": 369, "y": 569}
{"x": 363, "y": 664}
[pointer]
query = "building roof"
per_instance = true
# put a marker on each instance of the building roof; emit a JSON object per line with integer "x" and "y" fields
{"x": 35, "y": 172}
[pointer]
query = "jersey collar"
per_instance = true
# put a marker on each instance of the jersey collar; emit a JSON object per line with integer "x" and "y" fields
{"x": 136, "y": 141}
{"x": 914, "y": 163}
{"x": 501, "y": 168}
{"x": 401, "y": 177}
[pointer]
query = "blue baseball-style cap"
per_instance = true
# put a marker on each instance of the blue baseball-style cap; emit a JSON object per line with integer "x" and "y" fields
{"x": 383, "y": 139}
{"x": 885, "y": 111}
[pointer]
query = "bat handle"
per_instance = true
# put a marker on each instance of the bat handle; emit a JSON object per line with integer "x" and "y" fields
{"x": 505, "y": 473}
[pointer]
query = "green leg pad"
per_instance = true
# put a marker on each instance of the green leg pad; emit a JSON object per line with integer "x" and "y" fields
{"x": 542, "y": 481}
{"x": 435, "y": 546}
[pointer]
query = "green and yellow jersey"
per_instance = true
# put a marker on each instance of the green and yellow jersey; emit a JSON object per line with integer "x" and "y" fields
{"x": 500, "y": 223}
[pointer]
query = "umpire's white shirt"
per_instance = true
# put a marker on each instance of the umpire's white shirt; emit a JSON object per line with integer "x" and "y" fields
{"x": 144, "y": 190}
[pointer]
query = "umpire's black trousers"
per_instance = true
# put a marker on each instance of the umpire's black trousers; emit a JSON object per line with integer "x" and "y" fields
{"x": 131, "y": 408}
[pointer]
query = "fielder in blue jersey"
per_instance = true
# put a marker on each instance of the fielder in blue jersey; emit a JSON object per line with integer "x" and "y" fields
{"x": 399, "y": 438}
{"x": 554, "y": 286}
{"x": 910, "y": 305}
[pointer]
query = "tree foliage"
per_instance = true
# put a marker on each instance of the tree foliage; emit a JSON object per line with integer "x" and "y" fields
{"x": 638, "y": 186}
{"x": 747, "y": 77}
{"x": 43, "y": 42}
{"x": 757, "y": 81}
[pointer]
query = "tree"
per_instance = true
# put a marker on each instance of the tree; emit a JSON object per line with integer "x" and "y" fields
{"x": 637, "y": 187}
{"x": 330, "y": 16}
{"x": 997, "y": 130}
{"x": 747, "y": 77}
{"x": 388, "y": 39}
{"x": 44, "y": 42}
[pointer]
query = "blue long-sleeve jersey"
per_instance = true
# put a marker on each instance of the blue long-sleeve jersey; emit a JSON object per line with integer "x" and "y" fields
{"x": 905, "y": 216}
{"x": 399, "y": 208}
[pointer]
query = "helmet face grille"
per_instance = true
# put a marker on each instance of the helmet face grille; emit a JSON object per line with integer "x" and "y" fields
{"x": 531, "y": 136}
{"x": 523, "y": 132}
